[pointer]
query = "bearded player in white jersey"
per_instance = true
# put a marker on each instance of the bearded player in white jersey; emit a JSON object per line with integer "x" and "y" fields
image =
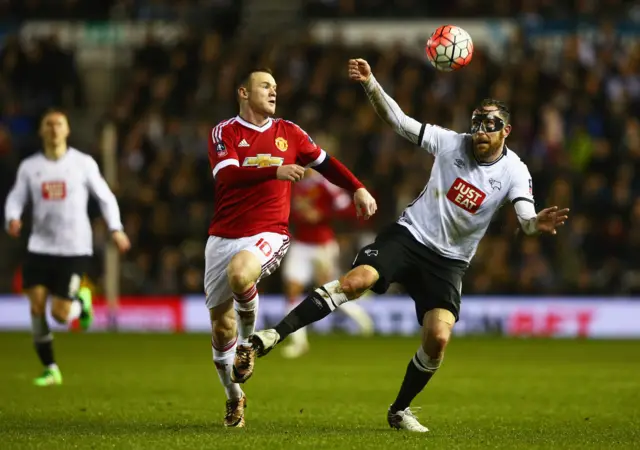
{"x": 58, "y": 182}
{"x": 430, "y": 246}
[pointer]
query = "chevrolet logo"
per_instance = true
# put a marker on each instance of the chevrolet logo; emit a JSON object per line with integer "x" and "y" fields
{"x": 262, "y": 160}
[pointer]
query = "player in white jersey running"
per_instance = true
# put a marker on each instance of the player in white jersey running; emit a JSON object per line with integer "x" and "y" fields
{"x": 430, "y": 246}
{"x": 58, "y": 182}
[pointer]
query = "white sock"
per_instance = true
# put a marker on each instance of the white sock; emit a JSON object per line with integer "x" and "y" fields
{"x": 424, "y": 363}
{"x": 332, "y": 294}
{"x": 223, "y": 360}
{"x": 74, "y": 311}
{"x": 246, "y": 306}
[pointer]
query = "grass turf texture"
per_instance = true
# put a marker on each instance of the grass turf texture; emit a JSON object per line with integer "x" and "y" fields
{"x": 162, "y": 391}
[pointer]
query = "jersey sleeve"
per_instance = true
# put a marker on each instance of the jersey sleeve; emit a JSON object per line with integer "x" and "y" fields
{"x": 521, "y": 196}
{"x": 521, "y": 189}
{"x": 222, "y": 152}
{"x": 309, "y": 153}
{"x": 18, "y": 197}
{"x": 389, "y": 111}
{"x": 434, "y": 138}
{"x": 99, "y": 188}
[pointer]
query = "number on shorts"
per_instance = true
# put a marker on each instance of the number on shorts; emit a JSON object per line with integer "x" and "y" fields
{"x": 264, "y": 247}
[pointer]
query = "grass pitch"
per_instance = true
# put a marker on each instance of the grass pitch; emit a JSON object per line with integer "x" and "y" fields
{"x": 161, "y": 391}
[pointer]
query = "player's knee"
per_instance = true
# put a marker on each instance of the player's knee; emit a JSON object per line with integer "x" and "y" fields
{"x": 436, "y": 340}
{"x": 358, "y": 281}
{"x": 440, "y": 339}
{"x": 437, "y": 326}
{"x": 243, "y": 270}
{"x": 37, "y": 301}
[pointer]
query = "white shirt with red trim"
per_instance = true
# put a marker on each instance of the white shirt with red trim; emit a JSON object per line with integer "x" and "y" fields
{"x": 453, "y": 212}
{"x": 59, "y": 191}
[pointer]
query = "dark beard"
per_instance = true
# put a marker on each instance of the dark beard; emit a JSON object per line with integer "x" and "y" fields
{"x": 488, "y": 157}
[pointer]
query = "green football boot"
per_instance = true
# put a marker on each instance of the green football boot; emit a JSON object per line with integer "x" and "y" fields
{"x": 86, "y": 316}
{"x": 50, "y": 377}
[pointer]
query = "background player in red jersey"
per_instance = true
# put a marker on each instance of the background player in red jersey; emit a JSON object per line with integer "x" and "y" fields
{"x": 254, "y": 159}
{"x": 314, "y": 255}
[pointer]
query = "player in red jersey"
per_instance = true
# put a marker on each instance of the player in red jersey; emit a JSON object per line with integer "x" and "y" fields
{"x": 254, "y": 159}
{"x": 313, "y": 257}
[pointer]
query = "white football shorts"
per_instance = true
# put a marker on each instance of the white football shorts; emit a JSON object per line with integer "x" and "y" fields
{"x": 305, "y": 262}
{"x": 270, "y": 248}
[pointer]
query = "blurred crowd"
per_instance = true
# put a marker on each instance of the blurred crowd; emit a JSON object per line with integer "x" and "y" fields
{"x": 574, "y": 111}
{"x": 549, "y": 9}
{"x": 223, "y": 15}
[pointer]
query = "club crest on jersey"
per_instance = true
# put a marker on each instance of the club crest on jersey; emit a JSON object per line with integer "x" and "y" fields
{"x": 282, "y": 144}
{"x": 221, "y": 150}
{"x": 54, "y": 190}
{"x": 262, "y": 160}
{"x": 466, "y": 195}
{"x": 495, "y": 184}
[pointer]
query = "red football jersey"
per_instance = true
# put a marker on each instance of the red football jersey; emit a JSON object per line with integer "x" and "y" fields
{"x": 248, "y": 209}
{"x": 315, "y": 202}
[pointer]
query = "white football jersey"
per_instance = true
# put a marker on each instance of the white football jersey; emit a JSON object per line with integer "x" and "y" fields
{"x": 453, "y": 212}
{"x": 59, "y": 191}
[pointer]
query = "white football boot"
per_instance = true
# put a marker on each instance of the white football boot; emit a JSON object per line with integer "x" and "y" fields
{"x": 264, "y": 341}
{"x": 405, "y": 420}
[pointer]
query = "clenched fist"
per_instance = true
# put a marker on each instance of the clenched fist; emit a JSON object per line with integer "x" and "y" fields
{"x": 15, "y": 226}
{"x": 359, "y": 70}
{"x": 290, "y": 172}
{"x": 365, "y": 203}
{"x": 121, "y": 240}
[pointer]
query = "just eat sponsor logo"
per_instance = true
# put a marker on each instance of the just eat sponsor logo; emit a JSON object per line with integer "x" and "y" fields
{"x": 466, "y": 195}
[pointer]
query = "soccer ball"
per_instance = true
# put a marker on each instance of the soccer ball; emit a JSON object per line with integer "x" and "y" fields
{"x": 449, "y": 48}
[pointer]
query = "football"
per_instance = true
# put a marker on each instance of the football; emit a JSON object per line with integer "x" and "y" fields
{"x": 449, "y": 48}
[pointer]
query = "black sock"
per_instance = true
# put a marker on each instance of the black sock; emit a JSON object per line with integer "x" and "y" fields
{"x": 42, "y": 339}
{"x": 44, "y": 349}
{"x": 311, "y": 309}
{"x": 414, "y": 382}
